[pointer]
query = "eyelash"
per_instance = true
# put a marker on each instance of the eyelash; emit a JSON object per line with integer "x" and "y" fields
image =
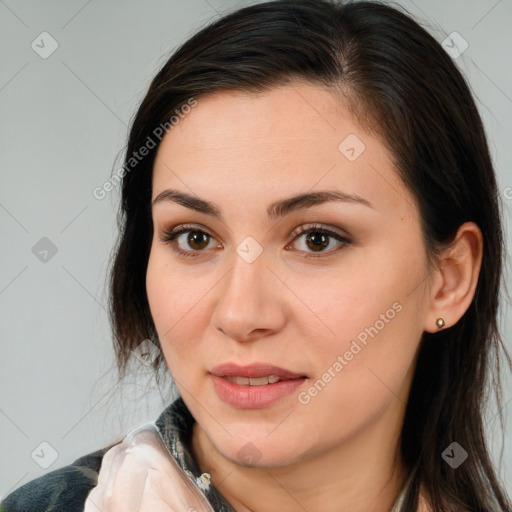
{"x": 170, "y": 235}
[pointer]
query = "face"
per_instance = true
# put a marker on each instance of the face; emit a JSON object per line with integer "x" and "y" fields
{"x": 330, "y": 288}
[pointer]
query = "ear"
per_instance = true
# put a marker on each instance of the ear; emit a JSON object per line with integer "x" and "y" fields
{"x": 454, "y": 283}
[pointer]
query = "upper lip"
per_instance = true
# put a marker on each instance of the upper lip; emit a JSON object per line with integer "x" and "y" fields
{"x": 253, "y": 370}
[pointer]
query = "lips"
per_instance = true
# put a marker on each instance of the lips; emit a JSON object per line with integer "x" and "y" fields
{"x": 258, "y": 374}
{"x": 255, "y": 386}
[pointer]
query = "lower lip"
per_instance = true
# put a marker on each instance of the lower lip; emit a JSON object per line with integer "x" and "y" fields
{"x": 254, "y": 397}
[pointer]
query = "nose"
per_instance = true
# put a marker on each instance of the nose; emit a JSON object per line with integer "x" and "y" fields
{"x": 250, "y": 301}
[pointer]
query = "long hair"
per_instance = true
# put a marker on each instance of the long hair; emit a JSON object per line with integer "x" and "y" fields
{"x": 401, "y": 85}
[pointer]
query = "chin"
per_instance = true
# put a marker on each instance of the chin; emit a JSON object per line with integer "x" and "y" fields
{"x": 260, "y": 453}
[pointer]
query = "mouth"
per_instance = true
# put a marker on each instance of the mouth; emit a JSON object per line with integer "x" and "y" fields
{"x": 254, "y": 374}
{"x": 254, "y": 381}
{"x": 254, "y": 386}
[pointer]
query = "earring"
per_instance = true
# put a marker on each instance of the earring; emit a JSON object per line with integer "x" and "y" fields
{"x": 440, "y": 322}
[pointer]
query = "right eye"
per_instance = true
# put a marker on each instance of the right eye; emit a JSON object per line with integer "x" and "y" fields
{"x": 196, "y": 238}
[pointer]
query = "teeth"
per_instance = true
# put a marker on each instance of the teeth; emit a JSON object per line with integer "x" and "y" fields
{"x": 241, "y": 381}
{"x": 253, "y": 381}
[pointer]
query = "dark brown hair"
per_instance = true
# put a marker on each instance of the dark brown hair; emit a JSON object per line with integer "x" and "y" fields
{"x": 401, "y": 85}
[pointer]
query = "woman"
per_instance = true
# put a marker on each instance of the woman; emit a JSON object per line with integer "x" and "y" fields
{"x": 311, "y": 235}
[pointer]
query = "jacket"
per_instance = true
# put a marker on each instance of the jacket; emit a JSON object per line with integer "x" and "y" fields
{"x": 66, "y": 489}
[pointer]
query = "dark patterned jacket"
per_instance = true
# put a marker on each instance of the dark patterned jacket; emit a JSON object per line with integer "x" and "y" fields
{"x": 66, "y": 489}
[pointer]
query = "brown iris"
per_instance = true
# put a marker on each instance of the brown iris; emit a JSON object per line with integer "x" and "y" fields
{"x": 320, "y": 241}
{"x": 197, "y": 237}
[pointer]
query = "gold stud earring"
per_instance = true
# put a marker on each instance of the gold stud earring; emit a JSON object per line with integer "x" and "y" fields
{"x": 440, "y": 322}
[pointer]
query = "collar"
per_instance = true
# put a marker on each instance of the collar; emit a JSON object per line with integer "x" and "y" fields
{"x": 175, "y": 425}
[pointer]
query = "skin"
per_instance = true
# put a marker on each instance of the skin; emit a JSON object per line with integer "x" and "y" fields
{"x": 242, "y": 152}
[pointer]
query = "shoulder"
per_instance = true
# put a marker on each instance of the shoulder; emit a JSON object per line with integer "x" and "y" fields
{"x": 61, "y": 490}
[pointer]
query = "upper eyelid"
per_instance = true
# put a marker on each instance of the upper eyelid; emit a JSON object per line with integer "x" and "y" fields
{"x": 299, "y": 230}
{"x": 194, "y": 227}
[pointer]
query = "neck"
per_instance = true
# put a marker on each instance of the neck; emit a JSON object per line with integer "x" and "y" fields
{"x": 359, "y": 475}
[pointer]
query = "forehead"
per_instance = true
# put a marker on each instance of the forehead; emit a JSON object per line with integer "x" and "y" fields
{"x": 293, "y": 138}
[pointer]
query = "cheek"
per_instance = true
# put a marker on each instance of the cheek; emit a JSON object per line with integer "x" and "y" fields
{"x": 355, "y": 382}
{"x": 169, "y": 292}
{"x": 341, "y": 303}
{"x": 158, "y": 288}
{"x": 370, "y": 319}
{"x": 176, "y": 307}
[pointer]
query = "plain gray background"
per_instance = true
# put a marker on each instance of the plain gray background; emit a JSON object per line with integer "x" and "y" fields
{"x": 64, "y": 120}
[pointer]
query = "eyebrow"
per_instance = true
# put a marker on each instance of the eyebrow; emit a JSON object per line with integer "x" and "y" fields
{"x": 275, "y": 211}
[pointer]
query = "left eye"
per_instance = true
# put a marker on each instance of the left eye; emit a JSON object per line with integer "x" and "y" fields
{"x": 317, "y": 238}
